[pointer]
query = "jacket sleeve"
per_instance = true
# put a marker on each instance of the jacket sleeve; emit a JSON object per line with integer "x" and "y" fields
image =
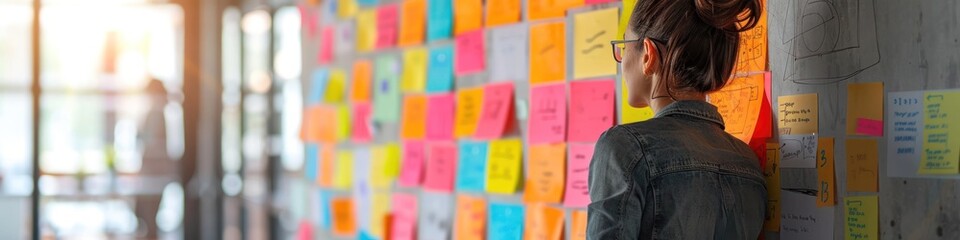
{"x": 616, "y": 206}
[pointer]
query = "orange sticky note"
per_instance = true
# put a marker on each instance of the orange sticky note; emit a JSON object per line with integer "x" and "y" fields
{"x": 412, "y": 22}
{"x": 468, "y": 16}
{"x": 343, "y": 217}
{"x": 546, "y": 173}
{"x": 865, "y": 105}
{"x": 771, "y": 174}
{"x": 540, "y": 9}
{"x": 414, "y": 123}
{"x": 862, "y": 155}
{"x": 543, "y": 222}
{"x": 548, "y": 58}
{"x": 578, "y": 225}
{"x": 507, "y": 11}
{"x": 467, "y": 113}
{"x": 739, "y": 103}
{"x": 360, "y": 86}
{"x": 752, "y": 55}
{"x": 826, "y": 184}
{"x": 327, "y": 161}
{"x": 470, "y": 223}
{"x": 320, "y": 124}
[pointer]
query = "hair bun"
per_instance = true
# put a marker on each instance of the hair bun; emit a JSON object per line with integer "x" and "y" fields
{"x": 729, "y": 15}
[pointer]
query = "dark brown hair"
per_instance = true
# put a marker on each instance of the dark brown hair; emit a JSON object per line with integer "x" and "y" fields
{"x": 701, "y": 36}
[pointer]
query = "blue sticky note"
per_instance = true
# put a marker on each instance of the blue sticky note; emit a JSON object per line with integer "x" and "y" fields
{"x": 310, "y": 165}
{"x": 318, "y": 85}
{"x": 325, "y": 216}
{"x": 364, "y": 235}
{"x": 367, "y": 3}
{"x": 440, "y": 70}
{"x": 439, "y": 19}
{"x": 506, "y": 221}
{"x": 471, "y": 166}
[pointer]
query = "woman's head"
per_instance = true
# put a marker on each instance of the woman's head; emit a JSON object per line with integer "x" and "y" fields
{"x": 685, "y": 47}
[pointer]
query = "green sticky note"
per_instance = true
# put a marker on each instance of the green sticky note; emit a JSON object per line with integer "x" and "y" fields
{"x": 386, "y": 90}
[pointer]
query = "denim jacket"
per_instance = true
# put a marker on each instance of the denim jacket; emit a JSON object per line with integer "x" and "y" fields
{"x": 675, "y": 176}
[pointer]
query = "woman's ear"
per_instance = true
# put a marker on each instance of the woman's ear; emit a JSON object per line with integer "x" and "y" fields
{"x": 651, "y": 57}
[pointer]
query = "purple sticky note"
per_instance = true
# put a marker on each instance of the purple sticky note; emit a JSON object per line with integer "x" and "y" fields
{"x": 870, "y": 127}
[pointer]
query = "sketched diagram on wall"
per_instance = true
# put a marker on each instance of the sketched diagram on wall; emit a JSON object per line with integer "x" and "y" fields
{"x": 828, "y": 41}
{"x": 739, "y": 102}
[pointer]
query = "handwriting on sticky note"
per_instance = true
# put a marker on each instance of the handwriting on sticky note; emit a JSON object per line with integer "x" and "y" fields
{"x": 941, "y": 135}
{"x": 470, "y": 223}
{"x": 439, "y": 19}
{"x": 548, "y": 114}
{"x": 771, "y": 176}
{"x": 470, "y": 53}
{"x": 404, "y": 221}
{"x": 440, "y": 70}
{"x": 469, "y": 105}
{"x": 543, "y": 222}
{"x": 441, "y": 166}
{"x": 344, "y": 223}
{"x": 591, "y": 109}
{"x": 440, "y": 117}
{"x": 414, "y": 122}
{"x": 546, "y": 173}
{"x": 752, "y": 54}
{"x": 414, "y": 78}
{"x": 507, "y": 11}
{"x": 436, "y": 221}
{"x": 739, "y": 103}
{"x": 862, "y": 219}
{"x": 414, "y": 154}
{"x": 361, "y": 122}
{"x": 387, "y": 26}
{"x": 862, "y": 173}
{"x": 506, "y": 221}
{"x": 366, "y": 30}
{"x": 470, "y": 167}
{"x": 469, "y": 16}
{"x": 905, "y": 120}
{"x": 412, "y": 23}
{"x": 508, "y": 49}
{"x": 495, "y": 111}
{"x": 578, "y": 225}
{"x": 802, "y": 219}
{"x": 798, "y": 114}
{"x": 547, "y": 52}
{"x": 503, "y": 166}
{"x": 798, "y": 151}
{"x": 578, "y": 171}
{"x": 865, "y": 101}
{"x": 826, "y": 180}
{"x": 591, "y": 34}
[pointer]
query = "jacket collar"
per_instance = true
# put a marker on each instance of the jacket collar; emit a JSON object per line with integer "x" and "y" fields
{"x": 696, "y": 109}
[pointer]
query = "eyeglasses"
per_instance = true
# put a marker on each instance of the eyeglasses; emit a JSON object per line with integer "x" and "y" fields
{"x": 619, "y": 45}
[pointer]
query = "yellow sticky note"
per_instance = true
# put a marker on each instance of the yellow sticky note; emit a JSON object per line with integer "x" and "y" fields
{"x": 592, "y": 32}
{"x": 798, "y": 114}
{"x": 862, "y": 171}
{"x": 941, "y": 133}
{"x": 630, "y": 114}
{"x": 346, "y": 8}
{"x": 468, "y": 111}
{"x": 386, "y": 165}
{"x": 381, "y": 207}
{"x": 343, "y": 122}
{"x": 414, "y": 77}
{"x": 548, "y": 57}
{"x": 366, "y": 30}
{"x": 739, "y": 103}
{"x": 862, "y": 218}
{"x": 344, "y": 175}
{"x": 865, "y": 109}
{"x": 826, "y": 179}
{"x": 503, "y": 166}
{"x": 771, "y": 173}
{"x": 625, "y": 13}
{"x": 335, "y": 87}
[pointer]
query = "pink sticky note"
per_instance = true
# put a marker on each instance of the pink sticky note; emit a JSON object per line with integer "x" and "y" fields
{"x": 361, "y": 122}
{"x": 440, "y": 109}
{"x": 403, "y": 226}
{"x": 326, "y": 45}
{"x": 441, "y": 166}
{"x": 495, "y": 111}
{"x": 870, "y": 127}
{"x": 414, "y": 153}
{"x": 547, "y": 122}
{"x": 469, "y": 54}
{"x": 387, "y": 26}
{"x": 591, "y": 109}
{"x": 308, "y": 19}
{"x": 578, "y": 170}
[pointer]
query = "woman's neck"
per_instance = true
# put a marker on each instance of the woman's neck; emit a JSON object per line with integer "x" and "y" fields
{"x": 657, "y": 104}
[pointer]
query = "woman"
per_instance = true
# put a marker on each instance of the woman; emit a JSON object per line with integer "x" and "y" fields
{"x": 678, "y": 175}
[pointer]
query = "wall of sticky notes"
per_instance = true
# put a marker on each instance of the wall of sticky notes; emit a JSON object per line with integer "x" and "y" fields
{"x": 442, "y": 119}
